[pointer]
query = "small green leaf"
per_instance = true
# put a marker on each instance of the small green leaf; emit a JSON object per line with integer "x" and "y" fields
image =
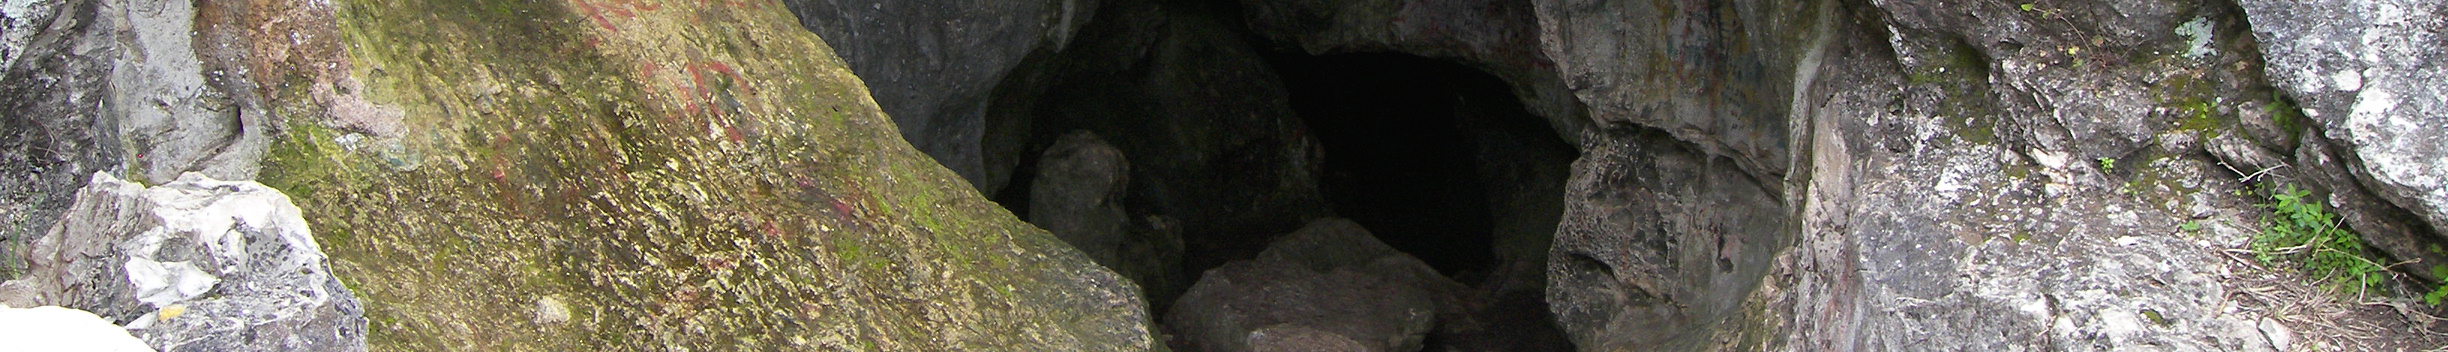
{"x": 2029, "y": 7}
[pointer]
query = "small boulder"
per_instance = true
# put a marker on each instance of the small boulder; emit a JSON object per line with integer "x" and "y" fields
{"x": 193, "y": 265}
{"x": 2368, "y": 73}
{"x": 1329, "y": 287}
{"x": 1078, "y": 195}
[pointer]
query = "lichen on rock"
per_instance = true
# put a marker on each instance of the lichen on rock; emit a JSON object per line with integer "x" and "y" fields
{"x": 675, "y": 175}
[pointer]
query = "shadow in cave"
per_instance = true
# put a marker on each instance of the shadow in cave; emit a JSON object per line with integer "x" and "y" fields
{"x": 1421, "y": 151}
{"x": 1229, "y": 146}
{"x": 1442, "y": 161}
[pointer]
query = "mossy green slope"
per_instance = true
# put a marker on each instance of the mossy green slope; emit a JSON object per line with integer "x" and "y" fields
{"x": 678, "y": 175}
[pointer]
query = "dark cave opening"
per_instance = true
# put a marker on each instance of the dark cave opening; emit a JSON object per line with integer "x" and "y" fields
{"x": 1212, "y": 145}
{"x": 1404, "y": 140}
{"x": 1441, "y": 160}
{"x": 1437, "y": 159}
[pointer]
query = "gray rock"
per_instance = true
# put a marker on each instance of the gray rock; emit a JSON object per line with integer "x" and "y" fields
{"x": 933, "y": 64}
{"x": 1656, "y": 245}
{"x": 1297, "y": 338}
{"x": 1905, "y": 175}
{"x": 2369, "y": 72}
{"x": 1078, "y": 195}
{"x": 53, "y": 134}
{"x": 2278, "y": 334}
{"x": 1638, "y": 64}
{"x": 193, "y": 265}
{"x": 1923, "y": 231}
{"x": 2322, "y": 164}
{"x": 1329, "y": 286}
{"x": 90, "y": 80}
{"x": 178, "y": 112}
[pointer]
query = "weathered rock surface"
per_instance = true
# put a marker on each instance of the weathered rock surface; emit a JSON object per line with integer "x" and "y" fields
{"x": 90, "y": 80}
{"x": 583, "y": 174}
{"x": 50, "y": 141}
{"x": 179, "y": 109}
{"x": 1956, "y": 176}
{"x": 1633, "y": 63}
{"x": 675, "y": 175}
{"x": 193, "y": 265}
{"x": 2370, "y": 74}
{"x": 1656, "y": 247}
{"x": 933, "y": 64}
{"x": 1329, "y": 286}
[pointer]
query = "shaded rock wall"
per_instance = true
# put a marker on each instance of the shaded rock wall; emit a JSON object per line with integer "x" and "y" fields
{"x": 931, "y": 64}
{"x": 1659, "y": 244}
{"x": 1498, "y": 36}
{"x": 50, "y": 142}
{"x": 1214, "y": 146}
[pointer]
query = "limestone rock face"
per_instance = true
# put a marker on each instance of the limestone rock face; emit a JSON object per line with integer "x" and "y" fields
{"x": 1330, "y": 286}
{"x": 2369, "y": 74}
{"x": 193, "y": 265}
{"x": 90, "y": 80}
{"x": 1913, "y": 175}
{"x": 1637, "y": 64}
{"x": 1627, "y": 271}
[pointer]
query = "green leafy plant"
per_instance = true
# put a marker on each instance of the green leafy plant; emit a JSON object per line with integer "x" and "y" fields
{"x": 2300, "y": 229}
{"x": 2440, "y": 293}
{"x": 2107, "y": 164}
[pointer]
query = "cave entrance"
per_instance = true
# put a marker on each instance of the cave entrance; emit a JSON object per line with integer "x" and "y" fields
{"x": 1442, "y": 161}
{"x": 1173, "y": 150}
{"x": 1439, "y": 159}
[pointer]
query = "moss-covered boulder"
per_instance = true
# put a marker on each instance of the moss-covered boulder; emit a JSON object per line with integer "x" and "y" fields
{"x": 640, "y": 175}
